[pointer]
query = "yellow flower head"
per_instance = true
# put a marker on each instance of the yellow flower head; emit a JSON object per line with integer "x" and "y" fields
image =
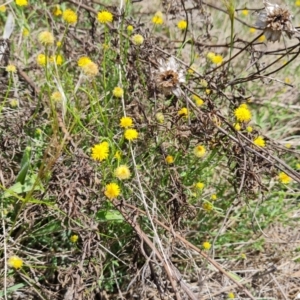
{"x": 297, "y": 2}
{"x": 41, "y": 59}
{"x": 57, "y": 59}
{"x": 83, "y": 61}
{"x": 105, "y": 17}
{"x": 90, "y": 69}
{"x": 129, "y": 28}
{"x": 214, "y": 197}
{"x": 204, "y": 83}
{"x": 126, "y": 122}
{"x": 56, "y": 11}
{"x": 21, "y": 2}
{"x": 56, "y": 96}
{"x": 215, "y": 58}
{"x": 231, "y": 295}
{"x": 198, "y": 100}
{"x": 199, "y": 185}
{"x": 138, "y": 39}
{"x": 284, "y": 178}
{"x": 262, "y": 38}
{"x": 158, "y": 18}
{"x": 2, "y": 8}
{"x": 183, "y": 112}
{"x": 118, "y": 92}
{"x": 122, "y": 172}
{"x": 70, "y": 16}
{"x": 259, "y": 141}
{"x": 249, "y": 129}
{"x": 252, "y": 30}
{"x": 242, "y": 113}
{"x": 100, "y": 151}
{"x": 131, "y": 134}
{"x": 237, "y": 126}
{"x": 245, "y": 12}
{"x": 46, "y": 38}
{"x": 206, "y": 245}
{"x": 182, "y": 24}
{"x": 74, "y": 238}
{"x": 160, "y": 118}
{"x": 25, "y": 32}
{"x": 15, "y": 262}
{"x": 207, "y": 206}
{"x": 14, "y": 103}
{"x": 199, "y": 151}
{"x": 118, "y": 155}
{"x": 11, "y": 69}
{"x": 169, "y": 159}
{"x": 112, "y": 190}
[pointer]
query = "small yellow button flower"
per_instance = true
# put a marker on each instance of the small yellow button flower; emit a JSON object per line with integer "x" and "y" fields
{"x": 83, "y": 61}
{"x": 112, "y": 190}
{"x": 182, "y": 24}
{"x": 242, "y": 113}
{"x": 297, "y": 2}
{"x": 70, "y": 16}
{"x": 183, "y": 112}
{"x": 21, "y": 2}
{"x": 74, "y": 238}
{"x": 2, "y": 8}
{"x": 138, "y": 39}
{"x": 122, "y": 172}
{"x": 214, "y": 197}
{"x": 100, "y": 151}
{"x": 249, "y": 129}
{"x": 129, "y": 28}
{"x": 56, "y": 11}
{"x": 105, "y": 17}
{"x": 41, "y": 59}
{"x": 25, "y": 32}
{"x": 262, "y": 38}
{"x": 160, "y": 118}
{"x": 259, "y": 141}
{"x": 237, "y": 126}
{"x": 15, "y": 262}
{"x": 56, "y": 96}
{"x": 245, "y": 12}
{"x": 207, "y": 206}
{"x": 231, "y": 295}
{"x": 126, "y": 122}
{"x": 118, "y": 155}
{"x": 284, "y": 178}
{"x": 158, "y": 18}
{"x": 252, "y": 30}
{"x": 169, "y": 159}
{"x": 206, "y": 245}
{"x": 131, "y": 134}
{"x": 46, "y": 38}
{"x": 118, "y": 92}
{"x": 199, "y": 185}
{"x": 11, "y": 69}
{"x": 199, "y": 151}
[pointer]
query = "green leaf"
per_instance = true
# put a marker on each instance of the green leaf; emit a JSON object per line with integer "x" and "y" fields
{"x": 24, "y": 166}
{"x": 12, "y": 289}
{"x": 109, "y": 215}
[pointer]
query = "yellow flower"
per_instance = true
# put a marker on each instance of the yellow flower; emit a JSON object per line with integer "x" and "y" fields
{"x": 46, "y": 38}
{"x": 242, "y": 113}
{"x": 288, "y": 145}
{"x": 41, "y": 59}
{"x": 122, "y": 172}
{"x": 131, "y": 134}
{"x": 160, "y": 118}
{"x": 298, "y": 166}
{"x": 100, "y": 151}
{"x": 182, "y": 24}
{"x": 83, "y": 61}
{"x": 58, "y": 44}
{"x": 56, "y": 96}
{"x": 259, "y": 141}
{"x": 126, "y": 122}
{"x": 105, "y": 17}
{"x": 207, "y": 206}
{"x": 25, "y": 32}
{"x": 11, "y": 68}
{"x": 237, "y": 126}
{"x": 138, "y": 39}
{"x": 214, "y": 197}
{"x": 74, "y": 238}
{"x": 15, "y": 262}
{"x": 56, "y": 11}
{"x": 21, "y": 2}
{"x": 215, "y": 58}
{"x": 206, "y": 245}
{"x": 14, "y": 103}
{"x": 284, "y": 178}
{"x": 70, "y": 16}
{"x": 118, "y": 155}
{"x": 297, "y": 2}
{"x": 204, "y": 83}
{"x": 192, "y": 69}
{"x": 199, "y": 185}
{"x": 262, "y": 38}
{"x": 199, "y": 151}
{"x": 252, "y": 30}
{"x": 57, "y": 59}
{"x": 112, "y": 190}
{"x": 158, "y": 18}
{"x": 231, "y": 295}
{"x": 245, "y": 12}
{"x": 2, "y": 8}
{"x": 183, "y": 112}
{"x": 169, "y": 159}
{"x": 249, "y": 129}
{"x": 90, "y": 69}
{"x": 207, "y": 91}
{"x": 118, "y": 92}
{"x": 129, "y": 28}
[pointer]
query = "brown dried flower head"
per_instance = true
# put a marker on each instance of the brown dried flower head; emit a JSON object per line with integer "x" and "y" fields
{"x": 274, "y": 19}
{"x": 169, "y": 76}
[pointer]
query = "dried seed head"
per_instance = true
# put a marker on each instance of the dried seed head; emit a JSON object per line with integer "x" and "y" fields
{"x": 169, "y": 77}
{"x": 274, "y": 19}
